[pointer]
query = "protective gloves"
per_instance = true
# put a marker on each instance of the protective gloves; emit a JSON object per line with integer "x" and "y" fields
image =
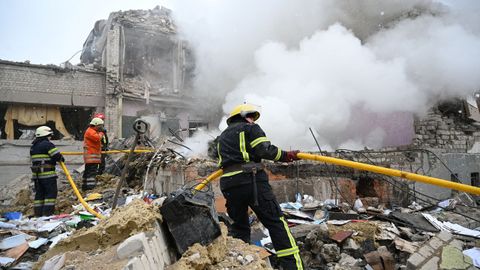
{"x": 291, "y": 156}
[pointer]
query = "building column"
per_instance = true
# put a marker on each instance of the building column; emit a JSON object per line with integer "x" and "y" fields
{"x": 113, "y": 93}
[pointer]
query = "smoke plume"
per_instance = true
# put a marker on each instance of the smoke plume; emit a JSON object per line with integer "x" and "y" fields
{"x": 354, "y": 71}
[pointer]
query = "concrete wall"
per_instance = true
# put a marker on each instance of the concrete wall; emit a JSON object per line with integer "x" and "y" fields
{"x": 461, "y": 164}
{"x": 24, "y": 83}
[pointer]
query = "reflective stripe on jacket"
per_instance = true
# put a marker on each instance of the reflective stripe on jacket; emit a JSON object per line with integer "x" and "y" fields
{"x": 44, "y": 156}
{"x": 92, "y": 146}
{"x": 243, "y": 142}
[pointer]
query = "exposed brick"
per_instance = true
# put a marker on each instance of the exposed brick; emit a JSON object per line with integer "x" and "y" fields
{"x": 415, "y": 261}
{"x": 432, "y": 264}
{"x": 426, "y": 251}
{"x": 435, "y": 243}
{"x": 31, "y": 80}
{"x": 445, "y": 236}
{"x": 457, "y": 244}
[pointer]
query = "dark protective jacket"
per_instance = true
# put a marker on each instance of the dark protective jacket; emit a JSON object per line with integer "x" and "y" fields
{"x": 105, "y": 140}
{"x": 44, "y": 156}
{"x": 244, "y": 142}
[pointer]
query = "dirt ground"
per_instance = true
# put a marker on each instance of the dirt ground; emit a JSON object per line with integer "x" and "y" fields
{"x": 103, "y": 260}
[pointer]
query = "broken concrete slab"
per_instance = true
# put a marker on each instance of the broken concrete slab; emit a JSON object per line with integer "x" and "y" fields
{"x": 453, "y": 258}
{"x": 405, "y": 245}
{"x": 415, "y": 261}
{"x": 55, "y": 263}
{"x": 302, "y": 230}
{"x": 415, "y": 220}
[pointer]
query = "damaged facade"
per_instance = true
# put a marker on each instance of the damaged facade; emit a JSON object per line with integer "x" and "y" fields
{"x": 132, "y": 65}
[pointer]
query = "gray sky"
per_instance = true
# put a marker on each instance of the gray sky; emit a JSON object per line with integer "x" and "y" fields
{"x": 51, "y": 31}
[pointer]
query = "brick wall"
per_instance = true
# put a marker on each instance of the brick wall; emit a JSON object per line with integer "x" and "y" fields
{"x": 24, "y": 83}
{"x": 451, "y": 133}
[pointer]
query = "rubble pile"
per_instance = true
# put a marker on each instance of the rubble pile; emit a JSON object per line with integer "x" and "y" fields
{"x": 224, "y": 253}
{"x": 336, "y": 237}
{"x": 16, "y": 196}
{"x": 157, "y": 19}
{"x": 359, "y": 234}
{"x": 123, "y": 222}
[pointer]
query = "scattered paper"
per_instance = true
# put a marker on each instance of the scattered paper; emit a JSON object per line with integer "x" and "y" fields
{"x": 48, "y": 227}
{"x": 473, "y": 253}
{"x": 459, "y": 229}
{"x": 12, "y": 241}
{"x": 6, "y": 260}
{"x": 338, "y": 222}
{"x": 37, "y": 243}
{"x": 451, "y": 227}
{"x": 5, "y": 225}
{"x": 291, "y": 205}
{"x": 59, "y": 237}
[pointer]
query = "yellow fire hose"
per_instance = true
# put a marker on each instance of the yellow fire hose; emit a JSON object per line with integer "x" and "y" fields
{"x": 371, "y": 168}
{"x": 211, "y": 177}
{"x": 74, "y": 187}
{"x": 108, "y": 152}
{"x": 391, "y": 172}
{"x": 79, "y": 196}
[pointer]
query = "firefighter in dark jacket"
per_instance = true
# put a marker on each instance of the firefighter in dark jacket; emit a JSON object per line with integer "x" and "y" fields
{"x": 105, "y": 142}
{"x": 44, "y": 156}
{"x": 241, "y": 147}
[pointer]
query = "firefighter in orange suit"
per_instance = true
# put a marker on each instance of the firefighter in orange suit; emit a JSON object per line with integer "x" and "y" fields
{"x": 92, "y": 150}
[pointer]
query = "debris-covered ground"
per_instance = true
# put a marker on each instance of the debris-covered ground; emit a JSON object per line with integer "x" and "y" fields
{"x": 224, "y": 253}
{"x": 330, "y": 235}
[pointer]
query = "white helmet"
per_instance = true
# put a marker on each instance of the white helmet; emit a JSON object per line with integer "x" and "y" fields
{"x": 96, "y": 121}
{"x": 43, "y": 131}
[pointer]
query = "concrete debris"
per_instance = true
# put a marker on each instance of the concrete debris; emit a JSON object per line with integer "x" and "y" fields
{"x": 330, "y": 252}
{"x": 224, "y": 253}
{"x": 329, "y": 233}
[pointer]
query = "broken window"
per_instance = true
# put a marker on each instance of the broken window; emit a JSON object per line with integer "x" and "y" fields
{"x": 170, "y": 127}
{"x": 195, "y": 126}
{"x": 475, "y": 179}
{"x": 19, "y": 122}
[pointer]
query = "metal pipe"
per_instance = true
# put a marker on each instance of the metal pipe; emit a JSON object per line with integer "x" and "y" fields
{"x": 397, "y": 173}
{"x": 124, "y": 171}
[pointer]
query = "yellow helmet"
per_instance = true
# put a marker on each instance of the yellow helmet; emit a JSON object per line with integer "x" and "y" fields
{"x": 243, "y": 110}
{"x": 96, "y": 121}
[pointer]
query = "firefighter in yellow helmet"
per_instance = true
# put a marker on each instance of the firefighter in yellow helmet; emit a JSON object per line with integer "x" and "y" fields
{"x": 241, "y": 147}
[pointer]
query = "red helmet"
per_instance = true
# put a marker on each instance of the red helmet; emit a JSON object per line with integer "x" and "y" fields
{"x": 99, "y": 115}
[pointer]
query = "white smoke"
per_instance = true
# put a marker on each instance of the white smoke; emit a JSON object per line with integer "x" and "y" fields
{"x": 198, "y": 143}
{"x": 348, "y": 69}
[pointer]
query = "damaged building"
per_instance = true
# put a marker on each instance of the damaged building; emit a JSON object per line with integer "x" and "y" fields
{"x": 133, "y": 65}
